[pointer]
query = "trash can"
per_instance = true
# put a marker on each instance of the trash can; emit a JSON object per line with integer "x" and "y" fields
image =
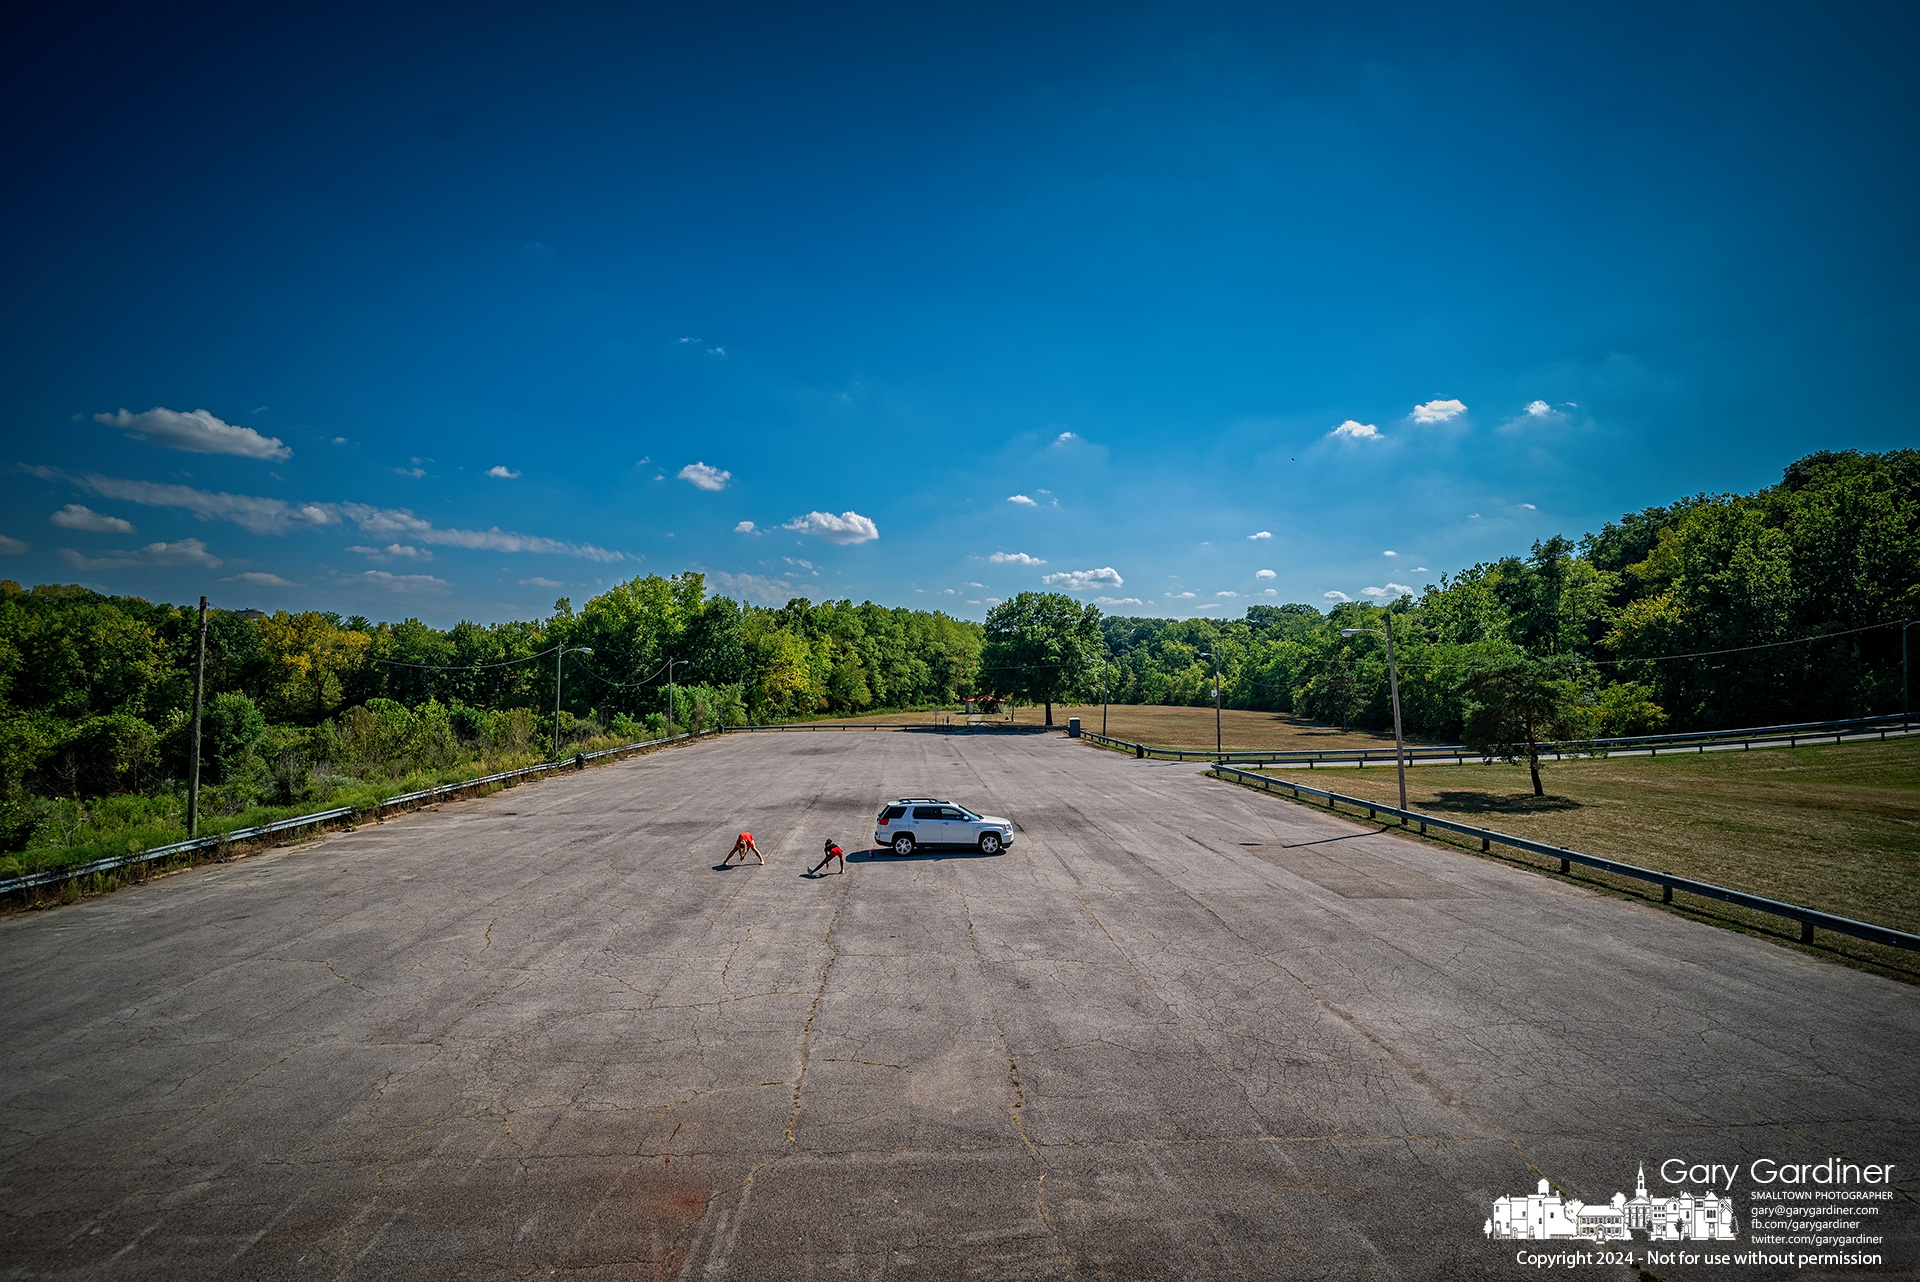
{"x": 1073, "y": 727}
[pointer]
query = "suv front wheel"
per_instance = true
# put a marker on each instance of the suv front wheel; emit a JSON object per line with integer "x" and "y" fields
{"x": 989, "y": 843}
{"x": 903, "y": 844}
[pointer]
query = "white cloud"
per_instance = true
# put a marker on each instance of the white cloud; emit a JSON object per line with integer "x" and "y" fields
{"x": 1226, "y": 594}
{"x": 1389, "y": 552}
{"x": 1179, "y": 596}
{"x": 801, "y": 562}
{"x": 972, "y": 584}
{"x": 538, "y": 582}
{"x": 197, "y": 433}
{"x": 179, "y": 552}
{"x": 401, "y": 521}
{"x": 1438, "y": 411}
{"x": 393, "y": 552}
{"x": 1066, "y": 438}
{"x": 339, "y": 440}
{"x": 402, "y": 582}
{"x": 1393, "y": 591}
{"x": 1263, "y": 534}
{"x": 501, "y": 471}
{"x": 1336, "y": 596}
{"x": 1264, "y": 574}
{"x": 415, "y": 472}
{"x": 702, "y": 477}
{"x": 1356, "y": 431}
{"x": 1015, "y": 558}
{"x": 1211, "y": 605}
{"x": 1529, "y": 507}
{"x": 992, "y": 600}
{"x": 1419, "y": 569}
{"x": 745, "y": 527}
{"x": 1473, "y": 516}
{"x": 13, "y": 547}
{"x": 1080, "y": 580}
{"x": 1022, "y": 500}
{"x": 758, "y": 588}
{"x": 1118, "y": 600}
{"x": 848, "y": 527}
{"x": 1269, "y": 592}
{"x": 260, "y": 580}
{"x": 74, "y": 516}
{"x": 1538, "y": 409}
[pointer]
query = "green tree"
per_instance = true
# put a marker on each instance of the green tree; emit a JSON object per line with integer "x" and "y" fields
{"x": 1515, "y": 701}
{"x": 1041, "y": 647}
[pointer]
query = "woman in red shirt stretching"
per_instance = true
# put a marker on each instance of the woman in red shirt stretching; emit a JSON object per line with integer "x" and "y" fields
{"x": 741, "y": 846}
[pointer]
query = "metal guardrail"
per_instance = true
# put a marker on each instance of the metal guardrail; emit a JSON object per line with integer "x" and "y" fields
{"x": 896, "y": 725}
{"x": 52, "y": 876}
{"x": 1809, "y": 918}
{"x": 1700, "y": 741}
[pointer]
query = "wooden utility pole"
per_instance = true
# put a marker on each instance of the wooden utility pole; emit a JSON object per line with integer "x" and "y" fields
{"x": 193, "y": 744}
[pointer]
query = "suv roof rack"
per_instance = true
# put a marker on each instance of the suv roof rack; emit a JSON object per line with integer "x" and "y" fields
{"x": 920, "y": 801}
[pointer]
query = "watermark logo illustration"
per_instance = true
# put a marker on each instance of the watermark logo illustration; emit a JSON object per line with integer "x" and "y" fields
{"x": 1544, "y": 1215}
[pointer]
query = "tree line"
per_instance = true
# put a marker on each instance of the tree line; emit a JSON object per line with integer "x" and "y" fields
{"x": 1569, "y": 640}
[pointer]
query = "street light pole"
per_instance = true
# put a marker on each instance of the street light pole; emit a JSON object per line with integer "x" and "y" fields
{"x": 558, "y": 655}
{"x": 1103, "y": 702}
{"x": 1393, "y": 683}
{"x": 193, "y": 744}
{"x": 1205, "y": 654}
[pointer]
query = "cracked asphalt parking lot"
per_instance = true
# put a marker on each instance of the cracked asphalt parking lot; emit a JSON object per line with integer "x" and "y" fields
{"x": 1178, "y": 1030}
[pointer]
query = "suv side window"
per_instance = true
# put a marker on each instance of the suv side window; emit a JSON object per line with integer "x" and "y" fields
{"x": 948, "y": 812}
{"x": 928, "y": 812}
{"x": 893, "y": 812}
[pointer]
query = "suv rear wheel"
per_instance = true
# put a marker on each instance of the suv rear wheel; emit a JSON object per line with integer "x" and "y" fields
{"x": 989, "y": 843}
{"x": 903, "y": 844}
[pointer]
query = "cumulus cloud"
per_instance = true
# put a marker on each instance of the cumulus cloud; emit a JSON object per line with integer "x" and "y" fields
{"x": 745, "y": 527}
{"x": 1118, "y": 600}
{"x": 1419, "y": 569}
{"x": 260, "y": 579}
{"x": 1080, "y": 580}
{"x": 1021, "y": 500}
{"x": 848, "y": 527}
{"x": 1261, "y": 534}
{"x": 1336, "y": 597}
{"x": 197, "y": 433}
{"x": 1264, "y": 574}
{"x": 1389, "y": 552}
{"x": 277, "y": 516}
{"x": 538, "y": 582}
{"x": 393, "y": 552}
{"x": 75, "y": 516}
{"x": 1393, "y": 591}
{"x": 13, "y": 547}
{"x": 1179, "y": 596}
{"x": 1529, "y": 507}
{"x": 179, "y": 552}
{"x": 758, "y": 588}
{"x": 702, "y": 477}
{"x": 402, "y": 582}
{"x": 1015, "y": 558}
{"x": 1538, "y": 409}
{"x": 1269, "y": 592}
{"x": 501, "y": 471}
{"x": 1356, "y": 431}
{"x": 1066, "y": 438}
{"x": 1438, "y": 411}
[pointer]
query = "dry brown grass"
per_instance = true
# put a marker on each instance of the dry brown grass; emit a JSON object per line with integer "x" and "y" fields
{"x": 1835, "y": 828}
{"x": 1167, "y": 727}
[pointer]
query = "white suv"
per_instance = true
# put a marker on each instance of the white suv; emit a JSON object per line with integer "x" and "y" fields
{"x": 928, "y": 821}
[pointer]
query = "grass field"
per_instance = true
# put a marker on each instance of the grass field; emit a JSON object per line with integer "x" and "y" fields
{"x": 1163, "y": 727}
{"x": 1835, "y": 828}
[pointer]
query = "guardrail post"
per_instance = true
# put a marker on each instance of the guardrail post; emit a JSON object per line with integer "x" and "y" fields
{"x": 1666, "y": 893}
{"x": 1806, "y": 932}
{"x": 1565, "y": 866}
{"x": 1486, "y": 844}
{"x": 1139, "y": 752}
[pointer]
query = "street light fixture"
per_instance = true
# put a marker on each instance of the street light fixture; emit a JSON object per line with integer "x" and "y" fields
{"x": 1393, "y": 681}
{"x": 559, "y": 655}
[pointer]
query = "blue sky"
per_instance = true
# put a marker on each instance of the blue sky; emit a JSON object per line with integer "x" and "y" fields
{"x": 454, "y": 312}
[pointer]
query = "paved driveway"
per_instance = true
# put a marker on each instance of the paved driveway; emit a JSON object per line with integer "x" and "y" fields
{"x": 1177, "y": 1031}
